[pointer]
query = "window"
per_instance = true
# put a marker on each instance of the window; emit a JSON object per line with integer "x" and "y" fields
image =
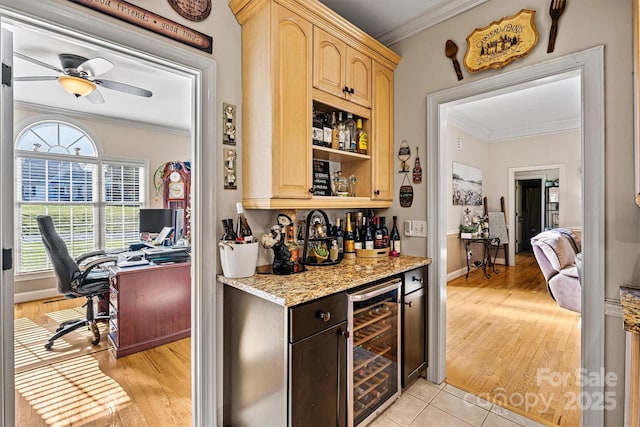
{"x": 94, "y": 202}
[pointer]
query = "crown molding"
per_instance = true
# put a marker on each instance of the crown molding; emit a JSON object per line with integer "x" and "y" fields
{"x": 474, "y": 128}
{"x": 47, "y": 109}
{"x": 433, "y": 16}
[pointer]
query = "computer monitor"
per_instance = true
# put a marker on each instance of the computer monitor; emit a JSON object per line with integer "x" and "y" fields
{"x": 154, "y": 220}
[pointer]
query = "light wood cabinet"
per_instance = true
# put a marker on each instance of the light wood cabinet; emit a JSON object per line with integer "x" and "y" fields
{"x": 340, "y": 69}
{"x": 297, "y": 55}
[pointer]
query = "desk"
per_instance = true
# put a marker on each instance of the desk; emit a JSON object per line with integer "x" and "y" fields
{"x": 149, "y": 305}
{"x": 486, "y": 243}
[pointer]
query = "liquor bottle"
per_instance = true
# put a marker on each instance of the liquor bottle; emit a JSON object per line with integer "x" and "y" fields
{"x": 349, "y": 237}
{"x": 342, "y": 132}
{"x": 317, "y": 131}
{"x": 362, "y": 143}
{"x": 335, "y": 137}
{"x": 378, "y": 240}
{"x": 357, "y": 233}
{"x": 368, "y": 236}
{"x": 339, "y": 235}
{"x": 326, "y": 127}
{"x": 294, "y": 249}
{"x": 385, "y": 231}
{"x": 244, "y": 231}
{"x": 394, "y": 238}
{"x": 350, "y": 136}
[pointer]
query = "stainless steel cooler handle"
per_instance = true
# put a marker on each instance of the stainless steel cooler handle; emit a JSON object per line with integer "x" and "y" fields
{"x": 375, "y": 290}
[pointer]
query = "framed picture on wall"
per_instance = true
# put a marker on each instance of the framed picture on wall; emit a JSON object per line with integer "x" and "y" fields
{"x": 466, "y": 185}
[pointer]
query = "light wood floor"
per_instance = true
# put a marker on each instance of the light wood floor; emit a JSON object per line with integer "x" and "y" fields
{"x": 93, "y": 388}
{"x": 508, "y": 342}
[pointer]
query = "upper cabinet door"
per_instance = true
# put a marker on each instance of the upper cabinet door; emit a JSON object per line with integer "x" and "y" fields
{"x": 290, "y": 145}
{"x": 329, "y": 61}
{"x": 358, "y": 77}
{"x": 381, "y": 146}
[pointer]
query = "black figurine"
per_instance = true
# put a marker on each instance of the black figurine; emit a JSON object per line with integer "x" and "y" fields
{"x": 282, "y": 263}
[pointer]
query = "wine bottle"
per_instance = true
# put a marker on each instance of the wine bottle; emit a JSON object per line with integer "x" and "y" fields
{"x": 385, "y": 232}
{"x": 244, "y": 231}
{"x": 378, "y": 240}
{"x": 357, "y": 237}
{"x": 225, "y": 233}
{"x": 349, "y": 238}
{"x": 394, "y": 238}
{"x": 339, "y": 235}
{"x": 232, "y": 233}
{"x": 368, "y": 236}
{"x": 294, "y": 249}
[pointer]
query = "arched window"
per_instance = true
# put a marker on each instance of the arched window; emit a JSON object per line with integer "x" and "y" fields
{"x": 94, "y": 202}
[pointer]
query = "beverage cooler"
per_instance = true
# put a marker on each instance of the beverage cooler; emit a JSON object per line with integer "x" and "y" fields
{"x": 373, "y": 351}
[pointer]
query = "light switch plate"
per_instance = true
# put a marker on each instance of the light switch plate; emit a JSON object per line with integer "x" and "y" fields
{"x": 407, "y": 227}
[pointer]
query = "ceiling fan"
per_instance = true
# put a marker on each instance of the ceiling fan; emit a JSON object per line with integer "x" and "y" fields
{"x": 78, "y": 76}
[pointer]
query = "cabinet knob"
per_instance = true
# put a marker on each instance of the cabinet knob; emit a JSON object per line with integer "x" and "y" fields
{"x": 417, "y": 279}
{"x": 345, "y": 89}
{"x": 377, "y": 192}
{"x": 326, "y": 316}
{"x": 310, "y": 189}
{"x": 351, "y": 90}
{"x": 410, "y": 303}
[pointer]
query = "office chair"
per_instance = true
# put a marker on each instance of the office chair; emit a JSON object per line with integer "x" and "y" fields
{"x": 73, "y": 282}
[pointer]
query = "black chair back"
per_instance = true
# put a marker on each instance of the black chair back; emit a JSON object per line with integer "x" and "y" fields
{"x": 64, "y": 265}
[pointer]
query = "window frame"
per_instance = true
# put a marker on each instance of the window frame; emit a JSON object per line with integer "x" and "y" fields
{"x": 98, "y": 203}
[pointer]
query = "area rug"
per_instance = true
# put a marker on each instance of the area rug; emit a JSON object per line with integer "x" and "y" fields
{"x": 30, "y": 338}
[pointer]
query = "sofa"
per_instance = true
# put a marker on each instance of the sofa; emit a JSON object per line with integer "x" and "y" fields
{"x": 556, "y": 252}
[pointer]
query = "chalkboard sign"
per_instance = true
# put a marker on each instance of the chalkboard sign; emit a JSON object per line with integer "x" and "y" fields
{"x": 321, "y": 178}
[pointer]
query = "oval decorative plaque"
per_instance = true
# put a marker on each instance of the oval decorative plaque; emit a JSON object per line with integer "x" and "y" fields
{"x": 193, "y": 10}
{"x": 499, "y": 43}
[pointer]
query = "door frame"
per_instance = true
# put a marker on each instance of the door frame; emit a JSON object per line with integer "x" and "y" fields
{"x": 512, "y": 202}
{"x": 132, "y": 41}
{"x": 589, "y": 64}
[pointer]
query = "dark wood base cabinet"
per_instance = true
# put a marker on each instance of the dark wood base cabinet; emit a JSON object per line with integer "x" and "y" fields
{"x": 414, "y": 325}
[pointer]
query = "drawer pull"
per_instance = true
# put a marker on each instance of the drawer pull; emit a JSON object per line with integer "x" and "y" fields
{"x": 410, "y": 303}
{"x": 416, "y": 279}
{"x": 325, "y": 316}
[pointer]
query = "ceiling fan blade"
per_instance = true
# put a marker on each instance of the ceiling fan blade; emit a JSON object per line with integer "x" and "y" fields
{"x": 95, "y": 66}
{"x": 95, "y": 97}
{"x": 122, "y": 87}
{"x": 35, "y": 61}
{"x": 34, "y": 78}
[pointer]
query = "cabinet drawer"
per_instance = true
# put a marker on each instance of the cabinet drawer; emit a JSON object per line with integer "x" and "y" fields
{"x": 414, "y": 280}
{"x": 315, "y": 316}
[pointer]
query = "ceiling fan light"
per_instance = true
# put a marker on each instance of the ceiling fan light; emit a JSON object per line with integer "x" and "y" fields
{"x": 76, "y": 86}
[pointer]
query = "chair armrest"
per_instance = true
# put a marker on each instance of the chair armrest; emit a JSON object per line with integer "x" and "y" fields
{"x": 86, "y": 255}
{"x": 96, "y": 263}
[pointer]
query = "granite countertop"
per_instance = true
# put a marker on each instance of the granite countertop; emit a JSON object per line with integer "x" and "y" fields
{"x": 630, "y": 300}
{"x": 318, "y": 282}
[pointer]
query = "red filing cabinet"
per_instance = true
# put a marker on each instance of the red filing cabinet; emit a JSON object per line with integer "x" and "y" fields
{"x": 149, "y": 305}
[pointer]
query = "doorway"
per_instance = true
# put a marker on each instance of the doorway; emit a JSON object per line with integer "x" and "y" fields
{"x": 138, "y": 44}
{"x": 589, "y": 64}
{"x": 528, "y": 216}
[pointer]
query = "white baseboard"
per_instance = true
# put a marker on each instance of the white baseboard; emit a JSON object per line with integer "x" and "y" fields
{"x": 457, "y": 273}
{"x": 36, "y": 295}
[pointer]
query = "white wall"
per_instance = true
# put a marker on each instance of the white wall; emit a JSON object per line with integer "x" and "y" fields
{"x": 425, "y": 69}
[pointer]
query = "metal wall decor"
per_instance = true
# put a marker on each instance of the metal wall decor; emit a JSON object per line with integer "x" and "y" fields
{"x": 500, "y": 43}
{"x": 555, "y": 11}
{"x": 228, "y": 124}
{"x": 417, "y": 169}
{"x": 406, "y": 193}
{"x": 404, "y": 154}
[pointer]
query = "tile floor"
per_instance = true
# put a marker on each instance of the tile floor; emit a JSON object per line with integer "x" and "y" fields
{"x": 430, "y": 405}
